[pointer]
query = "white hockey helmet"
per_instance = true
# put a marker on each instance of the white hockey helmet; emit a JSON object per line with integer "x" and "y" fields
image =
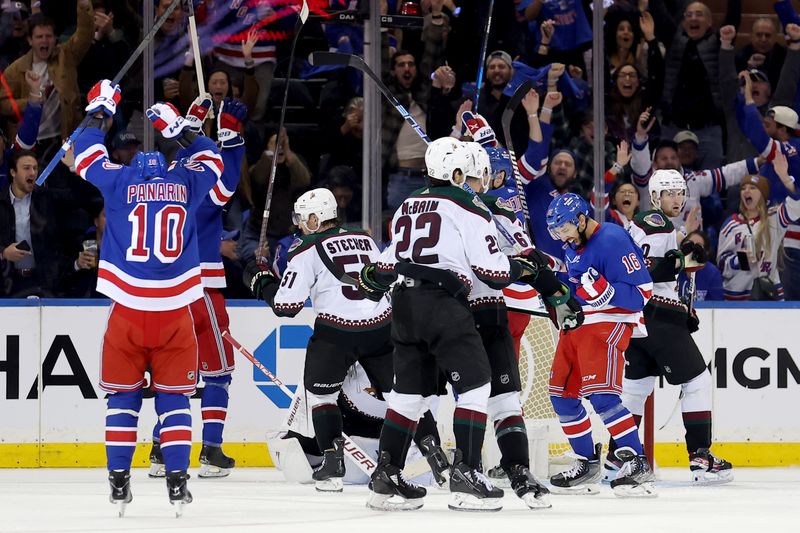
{"x": 444, "y": 157}
{"x": 320, "y": 202}
{"x": 481, "y": 167}
{"x": 666, "y": 180}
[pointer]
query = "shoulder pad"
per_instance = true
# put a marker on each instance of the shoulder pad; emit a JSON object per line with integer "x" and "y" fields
{"x": 653, "y": 221}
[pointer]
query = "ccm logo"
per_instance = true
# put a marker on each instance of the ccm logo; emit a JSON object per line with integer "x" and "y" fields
{"x": 590, "y": 377}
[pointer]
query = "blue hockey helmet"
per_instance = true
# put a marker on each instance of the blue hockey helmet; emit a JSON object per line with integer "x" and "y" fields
{"x": 563, "y": 210}
{"x": 150, "y": 164}
{"x": 501, "y": 162}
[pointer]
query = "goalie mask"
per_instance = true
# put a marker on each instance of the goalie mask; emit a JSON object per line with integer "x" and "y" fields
{"x": 481, "y": 169}
{"x": 446, "y": 156}
{"x": 666, "y": 180}
{"x": 319, "y": 202}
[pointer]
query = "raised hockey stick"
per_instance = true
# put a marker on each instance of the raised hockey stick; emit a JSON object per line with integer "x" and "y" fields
{"x": 484, "y": 46}
{"x": 261, "y": 251}
{"x": 337, "y": 58}
{"x": 198, "y": 65}
{"x": 364, "y": 462}
{"x": 124, "y": 70}
{"x": 508, "y": 114}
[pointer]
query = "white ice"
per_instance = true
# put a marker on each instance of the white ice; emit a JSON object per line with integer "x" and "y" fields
{"x": 760, "y": 500}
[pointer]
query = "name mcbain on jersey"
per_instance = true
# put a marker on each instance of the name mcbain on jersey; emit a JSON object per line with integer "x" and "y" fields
{"x": 422, "y": 206}
{"x": 158, "y": 191}
{"x": 349, "y": 244}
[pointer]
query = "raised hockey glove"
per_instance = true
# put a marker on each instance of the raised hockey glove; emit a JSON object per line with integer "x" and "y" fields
{"x": 166, "y": 119}
{"x": 692, "y": 321}
{"x": 198, "y": 112}
{"x": 369, "y": 286}
{"x": 477, "y": 127}
{"x": 103, "y": 96}
{"x": 229, "y": 123}
{"x": 566, "y": 312}
{"x": 695, "y": 256}
{"x": 595, "y": 289}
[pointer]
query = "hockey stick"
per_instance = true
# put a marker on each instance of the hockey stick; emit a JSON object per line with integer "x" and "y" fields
{"x": 261, "y": 251}
{"x": 337, "y": 58}
{"x": 508, "y": 114}
{"x": 337, "y": 272}
{"x": 198, "y": 65}
{"x": 484, "y": 46}
{"x": 124, "y": 70}
{"x": 364, "y": 462}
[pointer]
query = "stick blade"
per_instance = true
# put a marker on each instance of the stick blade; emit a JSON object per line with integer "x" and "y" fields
{"x": 515, "y": 99}
{"x": 324, "y": 59}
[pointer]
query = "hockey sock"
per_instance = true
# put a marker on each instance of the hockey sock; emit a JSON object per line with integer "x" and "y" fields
{"x": 176, "y": 429}
{"x": 576, "y": 424}
{"x": 469, "y": 427}
{"x": 214, "y": 407}
{"x": 157, "y": 431}
{"x": 327, "y": 420}
{"x": 427, "y": 426}
{"x": 696, "y": 407}
{"x": 512, "y": 440}
{"x": 122, "y": 417}
{"x": 698, "y": 430}
{"x": 618, "y": 421}
{"x": 396, "y": 436}
{"x": 612, "y": 444}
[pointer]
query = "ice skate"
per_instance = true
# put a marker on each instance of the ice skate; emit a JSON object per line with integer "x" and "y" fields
{"x": 707, "y": 469}
{"x": 498, "y": 477}
{"x": 120, "y": 481}
{"x": 328, "y": 476}
{"x": 471, "y": 490}
{"x": 635, "y": 478}
{"x": 214, "y": 462}
{"x": 156, "y": 461}
{"x": 436, "y": 458}
{"x": 582, "y": 478}
{"x": 610, "y": 468}
{"x": 178, "y": 490}
{"x": 389, "y": 490}
{"x": 529, "y": 490}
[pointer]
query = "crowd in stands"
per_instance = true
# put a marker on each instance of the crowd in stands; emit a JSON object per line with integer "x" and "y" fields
{"x": 710, "y": 89}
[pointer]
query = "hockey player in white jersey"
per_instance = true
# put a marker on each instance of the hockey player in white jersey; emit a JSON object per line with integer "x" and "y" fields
{"x": 442, "y": 234}
{"x": 669, "y": 349}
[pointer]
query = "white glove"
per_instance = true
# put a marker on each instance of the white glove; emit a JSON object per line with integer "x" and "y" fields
{"x": 198, "y": 112}
{"x": 104, "y": 97}
{"x": 166, "y": 119}
{"x": 595, "y": 288}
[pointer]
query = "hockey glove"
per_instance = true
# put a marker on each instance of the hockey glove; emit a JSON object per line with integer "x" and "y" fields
{"x": 261, "y": 281}
{"x": 532, "y": 262}
{"x": 478, "y": 128}
{"x": 693, "y": 322}
{"x": 695, "y": 256}
{"x": 104, "y": 97}
{"x": 567, "y": 310}
{"x": 167, "y": 120}
{"x": 667, "y": 268}
{"x": 229, "y": 123}
{"x": 369, "y": 286}
{"x": 595, "y": 289}
{"x": 198, "y": 112}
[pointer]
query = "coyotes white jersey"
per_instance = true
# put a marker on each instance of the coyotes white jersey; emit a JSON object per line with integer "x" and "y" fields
{"x": 337, "y": 304}
{"x": 447, "y": 228}
{"x": 654, "y": 233}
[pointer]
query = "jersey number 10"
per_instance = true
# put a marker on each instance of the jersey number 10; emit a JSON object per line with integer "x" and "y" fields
{"x": 168, "y": 225}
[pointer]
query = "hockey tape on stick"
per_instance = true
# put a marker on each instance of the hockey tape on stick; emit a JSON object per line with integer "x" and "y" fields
{"x": 122, "y": 71}
{"x": 337, "y": 58}
{"x": 362, "y": 460}
{"x": 508, "y": 114}
{"x": 261, "y": 250}
{"x": 482, "y": 58}
{"x": 337, "y": 272}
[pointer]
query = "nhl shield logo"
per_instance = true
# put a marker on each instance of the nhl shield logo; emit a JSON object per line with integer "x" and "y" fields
{"x": 190, "y": 375}
{"x": 455, "y": 376}
{"x": 504, "y": 379}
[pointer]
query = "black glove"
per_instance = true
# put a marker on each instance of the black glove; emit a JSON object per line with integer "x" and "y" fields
{"x": 694, "y": 249}
{"x": 693, "y": 322}
{"x": 531, "y": 262}
{"x": 261, "y": 281}
{"x": 368, "y": 286}
{"x": 567, "y": 310}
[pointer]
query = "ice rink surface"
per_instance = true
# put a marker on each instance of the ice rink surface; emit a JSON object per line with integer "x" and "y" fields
{"x": 761, "y": 500}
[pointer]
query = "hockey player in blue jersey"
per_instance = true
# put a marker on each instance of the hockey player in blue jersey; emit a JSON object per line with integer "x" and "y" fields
{"x": 149, "y": 267}
{"x": 608, "y": 276}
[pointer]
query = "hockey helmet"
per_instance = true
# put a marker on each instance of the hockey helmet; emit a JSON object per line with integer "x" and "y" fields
{"x": 150, "y": 164}
{"x": 565, "y": 209}
{"x": 666, "y": 180}
{"x": 444, "y": 157}
{"x": 500, "y": 160}
{"x": 482, "y": 168}
{"x": 320, "y": 202}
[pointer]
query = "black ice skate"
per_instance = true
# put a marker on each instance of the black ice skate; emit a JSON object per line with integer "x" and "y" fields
{"x": 635, "y": 478}
{"x": 178, "y": 490}
{"x": 328, "y": 476}
{"x": 471, "y": 490}
{"x": 610, "y": 468}
{"x": 214, "y": 462}
{"x": 707, "y": 469}
{"x": 436, "y": 458}
{"x": 582, "y": 478}
{"x": 156, "y": 461}
{"x": 529, "y": 490}
{"x": 389, "y": 490}
{"x": 120, "y": 481}
{"x": 498, "y": 477}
